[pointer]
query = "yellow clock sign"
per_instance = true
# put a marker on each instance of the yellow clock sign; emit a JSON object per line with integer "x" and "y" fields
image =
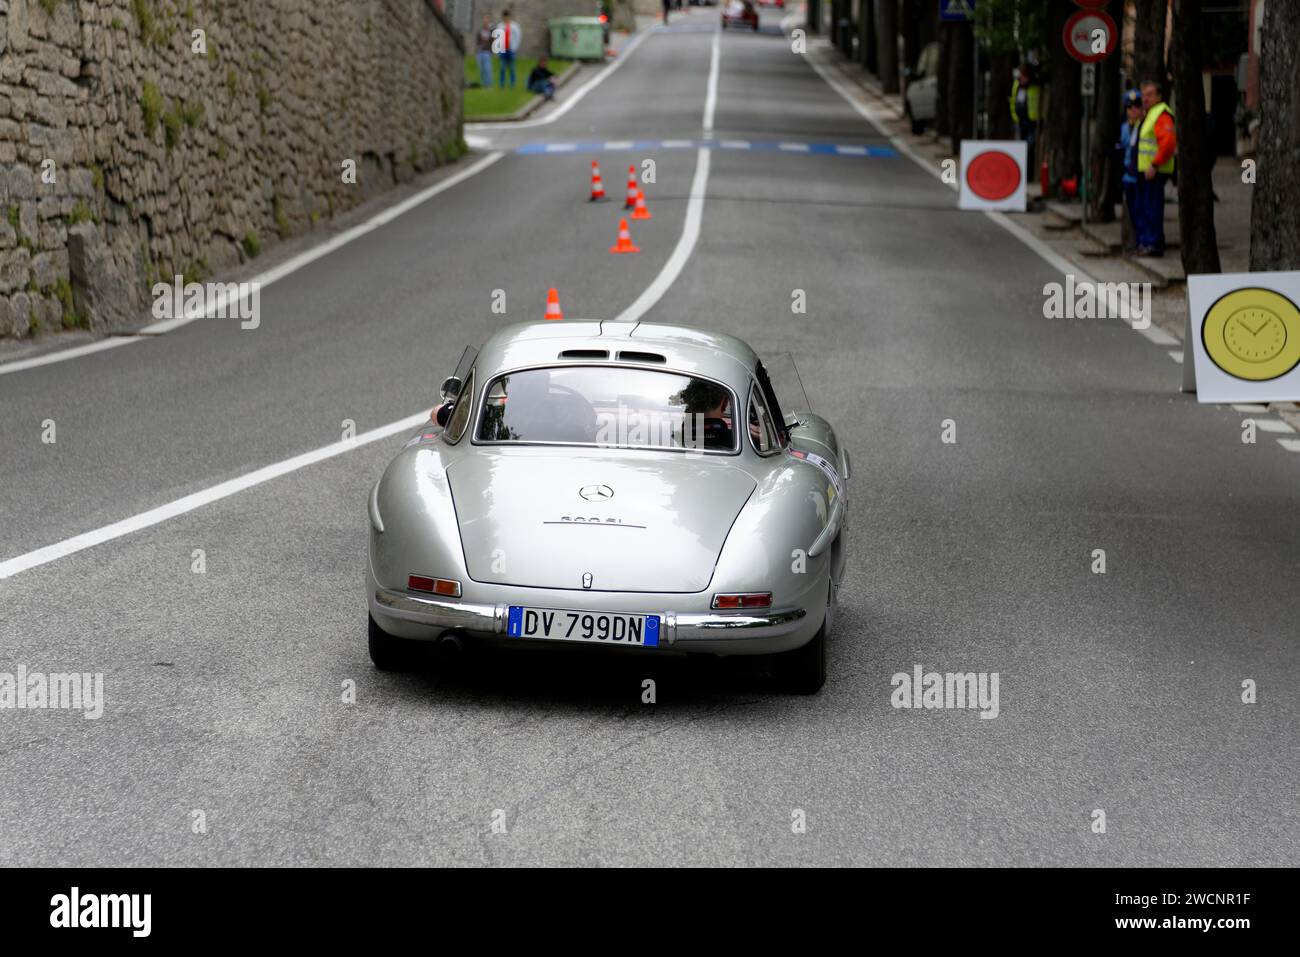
{"x": 1253, "y": 334}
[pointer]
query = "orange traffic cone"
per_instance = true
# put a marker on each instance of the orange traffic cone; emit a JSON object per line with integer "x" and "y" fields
{"x": 553, "y": 305}
{"x": 642, "y": 211}
{"x": 631, "y": 188}
{"x": 597, "y": 185}
{"x": 624, "y": 244}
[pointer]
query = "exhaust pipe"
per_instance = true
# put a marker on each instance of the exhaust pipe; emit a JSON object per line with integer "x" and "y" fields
{"x": 450, "y": 646}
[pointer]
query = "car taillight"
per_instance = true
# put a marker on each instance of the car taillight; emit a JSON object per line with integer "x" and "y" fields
{"x": 436, "y": 586}
{"x": 749, "y": 600}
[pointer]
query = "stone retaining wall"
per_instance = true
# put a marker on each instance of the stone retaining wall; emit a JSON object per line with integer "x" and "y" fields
{"x": 133, "y": 148}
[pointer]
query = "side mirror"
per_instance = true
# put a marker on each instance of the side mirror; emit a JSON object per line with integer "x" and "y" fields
{"x": 450, "y": 388}
{"x": 442, "y": 414}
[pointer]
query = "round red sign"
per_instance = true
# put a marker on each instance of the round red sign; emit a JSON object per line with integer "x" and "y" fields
{"x": 993, "y": 175}
{"x": 1081, "y": 35}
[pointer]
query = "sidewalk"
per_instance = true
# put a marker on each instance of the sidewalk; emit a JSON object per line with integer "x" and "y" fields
{"x": 1094, "y": 248}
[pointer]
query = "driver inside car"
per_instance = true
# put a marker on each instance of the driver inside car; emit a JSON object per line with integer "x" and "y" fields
{"x": 707, "y": 410}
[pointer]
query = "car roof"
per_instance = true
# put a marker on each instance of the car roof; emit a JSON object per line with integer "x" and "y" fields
{"x": 684, "y": 348}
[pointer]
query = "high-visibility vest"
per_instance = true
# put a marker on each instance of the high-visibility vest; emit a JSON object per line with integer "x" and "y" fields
{"x": 1147, "y": 145}
{"x": 1031, "y": 100}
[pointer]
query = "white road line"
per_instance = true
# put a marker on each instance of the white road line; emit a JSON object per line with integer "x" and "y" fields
{"x": 1273, "y": 425}
{"x": 1176, "y": 355}
{"x": 851, "y": 150}
{"x": 573, "y": 98}
{"x": 59, "y": 355}
{"x": 207, "y": 496}
{"x": 676, "y": 144}
{"x": 1245, "y": 407}
{"x": 278, "y": 272}
{"x": 685, "y": 245}
{"x": 1158, "y": 336}
{"x": 794, "y": 147}
{"x": 694, "y": 213}
{"x": 561, "y": 147}
{"x": 672, "y": 269}
{"x": 711, "y": 96}
{"x": 734, "y": 144}
{"x": 619, "y": 145}
{"x": 1291, "y": 445}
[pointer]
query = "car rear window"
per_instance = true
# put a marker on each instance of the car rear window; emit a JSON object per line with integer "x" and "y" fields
{"x": 609, "y": 406}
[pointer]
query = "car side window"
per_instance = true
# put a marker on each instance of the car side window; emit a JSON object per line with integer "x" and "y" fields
{"x": 762, "y": 433}
{"x": 460, "y": 414}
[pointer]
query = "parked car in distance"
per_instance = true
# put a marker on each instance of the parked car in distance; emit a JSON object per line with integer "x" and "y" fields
{"x": 922, "y": 88}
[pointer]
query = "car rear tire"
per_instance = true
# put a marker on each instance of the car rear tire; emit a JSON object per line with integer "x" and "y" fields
{"x": 802, "y": 671}
{"x": 390, "y": 653}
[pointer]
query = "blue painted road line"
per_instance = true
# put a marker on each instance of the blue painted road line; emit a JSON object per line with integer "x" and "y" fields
{"x": 643, "y": 146}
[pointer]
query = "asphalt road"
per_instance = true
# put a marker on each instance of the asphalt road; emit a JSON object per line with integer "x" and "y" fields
{"x": 1118, "y": 691}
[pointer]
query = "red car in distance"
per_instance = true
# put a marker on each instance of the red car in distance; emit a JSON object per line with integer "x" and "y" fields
{"x": 740, "y": 13}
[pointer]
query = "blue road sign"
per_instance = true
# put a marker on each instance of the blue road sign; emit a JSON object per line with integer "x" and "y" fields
{"x": 957, "y": 10}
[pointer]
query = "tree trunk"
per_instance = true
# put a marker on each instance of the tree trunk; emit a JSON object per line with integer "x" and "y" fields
{"x": 1001, "y": 67}
{"x": 1149, "y": 41}
{"x": 842, "y": 26}
{"x": 927, "y": 25}
{"x": 961, "y": 84}
{"x": 1275, "y": 204}
{"x": 910, "y": 27}
{"x": 887, "y": 44}
{"x": 1195, "y": 185}
{"x": 1065, "y": 106}
{"x": 1105, "y": 162}
{"x": 867, "y": 34}
{"x": 941, "y": 92}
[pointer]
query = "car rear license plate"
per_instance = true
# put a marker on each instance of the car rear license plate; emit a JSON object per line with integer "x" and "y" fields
{"x": 603, "y": 627}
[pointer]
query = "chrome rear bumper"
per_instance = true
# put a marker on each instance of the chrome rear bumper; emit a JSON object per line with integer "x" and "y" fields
{"x": 678, "y": 629}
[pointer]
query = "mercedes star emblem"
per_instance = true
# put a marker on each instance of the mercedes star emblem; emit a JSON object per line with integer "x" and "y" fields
{"x": 596, "y": 493}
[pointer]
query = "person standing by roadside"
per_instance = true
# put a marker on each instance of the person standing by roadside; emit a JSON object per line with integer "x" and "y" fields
{"x": 1025, "y": 96}
{"x": 1128, "y": 148}
{"x": 667, "y": 6}
{"x": 1157, "y": 143}
{"x": 506, "y": 43}
{"x": 484, "y": 55}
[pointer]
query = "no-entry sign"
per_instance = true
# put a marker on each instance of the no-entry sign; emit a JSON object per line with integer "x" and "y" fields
{"x": 1082, "y": 39}
{"x": 993, "y": 174}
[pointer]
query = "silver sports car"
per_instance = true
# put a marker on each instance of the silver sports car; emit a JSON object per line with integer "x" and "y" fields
{"x": 623, "y": 485}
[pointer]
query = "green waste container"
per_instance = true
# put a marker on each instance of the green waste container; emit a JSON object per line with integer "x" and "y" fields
{"x": 577, "y": 38}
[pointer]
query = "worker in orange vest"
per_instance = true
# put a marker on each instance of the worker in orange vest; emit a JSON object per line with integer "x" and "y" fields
{"x": 1157, "y": 143}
